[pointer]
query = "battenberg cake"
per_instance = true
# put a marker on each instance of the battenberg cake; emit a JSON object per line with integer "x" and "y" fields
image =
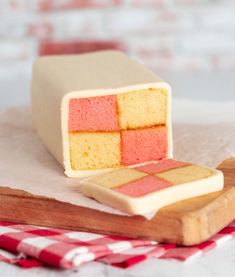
{"x": 142, "y": 189}
{"x": 100, "y": 111}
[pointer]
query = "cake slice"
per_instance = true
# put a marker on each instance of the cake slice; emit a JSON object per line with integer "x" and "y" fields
{"x": 100, "y": 111}
{"x": 142, "y": 189}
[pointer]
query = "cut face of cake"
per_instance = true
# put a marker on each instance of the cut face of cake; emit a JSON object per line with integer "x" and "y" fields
{"x": 118, "y": 130}
{"x": 142, "y": 189}
{"x": 101, "y": 111}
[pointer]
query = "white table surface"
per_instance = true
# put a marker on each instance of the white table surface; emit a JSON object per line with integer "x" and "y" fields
{"x": 217, "y": 262}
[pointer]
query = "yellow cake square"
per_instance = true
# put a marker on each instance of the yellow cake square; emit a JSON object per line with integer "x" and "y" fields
{"x": 185, "y": 174}
{"x": 118, "y": 177}
{"x": 94, "y": 150}
{"x": 143, "y": 108}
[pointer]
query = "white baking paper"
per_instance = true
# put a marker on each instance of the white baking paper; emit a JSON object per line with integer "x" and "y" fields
{"x": 27, "y": 165}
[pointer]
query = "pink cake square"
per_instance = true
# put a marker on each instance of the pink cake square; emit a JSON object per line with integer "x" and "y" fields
{"x": 161, "y": 166}
{"x": 93, "y": 114}
{"x": 142, "y": 145}
{"x": 143, "y": 186}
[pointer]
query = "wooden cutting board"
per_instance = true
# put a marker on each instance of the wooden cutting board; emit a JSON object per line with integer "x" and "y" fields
{"x": 187, "y": 222}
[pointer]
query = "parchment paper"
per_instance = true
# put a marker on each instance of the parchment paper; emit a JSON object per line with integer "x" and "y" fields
{"x": 27, "y": 165}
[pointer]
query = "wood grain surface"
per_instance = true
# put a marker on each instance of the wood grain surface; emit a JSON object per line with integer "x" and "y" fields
{"x": 186, "y": 223}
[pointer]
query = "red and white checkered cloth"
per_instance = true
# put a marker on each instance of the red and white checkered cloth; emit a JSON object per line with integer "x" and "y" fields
{"x": 31, "y": 246}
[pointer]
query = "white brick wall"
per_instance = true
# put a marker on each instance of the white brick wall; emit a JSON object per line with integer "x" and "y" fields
{"x": 167, "y": 35}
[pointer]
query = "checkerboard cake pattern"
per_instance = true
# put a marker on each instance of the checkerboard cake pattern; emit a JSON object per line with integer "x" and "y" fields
{"x": 118, "y": 130}
{"x": 141, "y": 189}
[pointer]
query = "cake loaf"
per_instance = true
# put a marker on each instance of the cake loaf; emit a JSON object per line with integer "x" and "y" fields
{"x": 100, "y": 111}
{"x": 142, "y": 189}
